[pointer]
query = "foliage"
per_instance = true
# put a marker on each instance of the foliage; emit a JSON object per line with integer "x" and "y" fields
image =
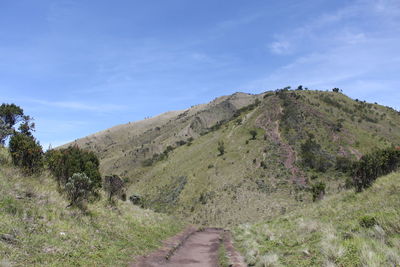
{"x": 343, "y": 164}
{"x": 26, "y": 152}
{"x": 253, "y": 134}
{"x": 221, "y": 147}
{"x": 79, "y": 187}
{"x": 373, "y": 165}
{"x": 318, "y": 191}
{"x": 113, "y": 185}
{"x": 347, "y": 229}
{"x": 47, "y": 234}
{"x": 10, "y": 114}
{"x": 313, "y": 156}
{"x": 368, "y": 221}
{"x": 63, "y": 163}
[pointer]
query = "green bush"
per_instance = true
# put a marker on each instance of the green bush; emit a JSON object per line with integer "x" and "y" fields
{"x": 367, "y": 221}
{"x": 253, "y": 134}
{"x": 221, "y": 147}
{"x": 79, "y": 187}
{"x": 26, "y": 153}
{"x": 373, "y": 165}
{"x": 114, "y": 186}
{"x": 343, "y": 164}
{"x": 63, "y": 163}
{"x": 318, "y": 191}
{"x": 313, "y": 156}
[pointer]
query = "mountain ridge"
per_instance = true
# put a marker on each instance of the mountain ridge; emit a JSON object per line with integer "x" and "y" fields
{"x": 301, "y": 138}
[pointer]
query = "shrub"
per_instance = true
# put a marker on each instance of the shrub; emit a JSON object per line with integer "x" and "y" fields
{"x": 318, "y": 191}
{"x": 114, "y": 186}
{"x": 79, "y": 187}
{"x": 367, "y": 221}
{"x": 63, "y": 163}
{"x": 313, "y": 156}
{"x": 253, "y": 134}
{"x": 373, "y": 165}
{"x": 343, "y": 164}
{"x": 221, "y": 147}
{"x": 136, "y": 200}
{"x": 26, "y": 153}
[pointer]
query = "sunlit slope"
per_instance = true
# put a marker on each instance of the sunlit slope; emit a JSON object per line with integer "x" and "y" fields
{"x": 261, "y": 178}
{"x": 348, "y": 229}
{"x": 124, "y": 147}
{"x": 37, "y": 229}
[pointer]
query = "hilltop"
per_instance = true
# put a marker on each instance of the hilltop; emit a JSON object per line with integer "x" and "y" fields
{"x": 276, "y": 146}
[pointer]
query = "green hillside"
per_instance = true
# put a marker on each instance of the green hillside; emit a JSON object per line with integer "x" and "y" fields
{"x": 37, "y": 229}
{"x": 348, "y": 229}
{"x": 302, "y": 138}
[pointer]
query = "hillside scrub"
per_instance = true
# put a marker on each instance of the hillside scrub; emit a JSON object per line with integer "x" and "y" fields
{"x": 373, "y": 165}
{"x": 347, "y": 229}
{"x": 36, "y": 229}
{"x": 65, "y": 162}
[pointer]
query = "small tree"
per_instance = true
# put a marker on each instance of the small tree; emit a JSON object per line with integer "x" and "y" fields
{"x": 78, "y": 188}
{"x": 113, "y": 185}
{"x": 221, "y": 147}
{"x": 26, "y": 153}
{"x": 253, "y": 134}
{"x": 336, "y": 90}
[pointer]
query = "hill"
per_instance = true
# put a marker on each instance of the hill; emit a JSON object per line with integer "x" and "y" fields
{"x": 276, "y": 146}
{"x": 348, "y": 229}
{"x": 37, "y": 229}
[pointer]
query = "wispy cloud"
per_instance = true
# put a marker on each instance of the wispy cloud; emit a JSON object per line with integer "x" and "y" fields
{"x": 342, "y": 50}
{"x": 280, "y": 47}
{"x": 80, "y": 105}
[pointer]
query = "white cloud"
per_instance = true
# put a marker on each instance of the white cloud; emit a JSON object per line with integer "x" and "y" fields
{"x": 280, "y": 47}
{"x": 343, "y": 50}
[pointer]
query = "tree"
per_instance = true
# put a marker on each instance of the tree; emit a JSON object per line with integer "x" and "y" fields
{"x": 253, "y": 134}
{"x": 27, "y": 126}
{"x": 336, "y": 90}
{"x": 221, "y": 147}
{"x": 79, "y": 187}
{"x": 113, "y": 185}
{"x": 10, "y": 114}
{"x": 26, "y": 152}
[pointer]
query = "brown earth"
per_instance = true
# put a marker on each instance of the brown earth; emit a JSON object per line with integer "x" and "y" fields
{"x": 193, "y": 248}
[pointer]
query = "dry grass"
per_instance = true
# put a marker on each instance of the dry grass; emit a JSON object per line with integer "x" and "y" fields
{"x": 331, "y": 232}
{"x": 37, "y": 229}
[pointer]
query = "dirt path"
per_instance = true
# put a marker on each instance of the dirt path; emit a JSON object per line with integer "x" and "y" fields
{"x": 200, "y": 250}
{"x": 196, "y": 249}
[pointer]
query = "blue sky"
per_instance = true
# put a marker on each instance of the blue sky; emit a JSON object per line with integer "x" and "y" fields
{"x": 80, "y": 66}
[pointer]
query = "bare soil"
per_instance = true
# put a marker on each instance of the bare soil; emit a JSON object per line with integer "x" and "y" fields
{"x": 193, "y": 249}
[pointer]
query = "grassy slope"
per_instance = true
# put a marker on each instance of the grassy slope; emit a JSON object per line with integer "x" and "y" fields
{"x": 331, "y": 232}
{"x": 233, "y": 188}
{"x": 44, "y": 232}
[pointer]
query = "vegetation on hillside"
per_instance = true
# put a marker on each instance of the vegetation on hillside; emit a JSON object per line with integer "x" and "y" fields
{"x": 347, "y": 229}
{"x": 37, "y": 229}
{"x": 287, "y": 149}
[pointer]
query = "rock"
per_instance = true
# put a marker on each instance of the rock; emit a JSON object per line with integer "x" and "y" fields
{"x": 8, "y": 238}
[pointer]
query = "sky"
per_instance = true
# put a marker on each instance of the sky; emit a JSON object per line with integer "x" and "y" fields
{"x": 81, "y": 66}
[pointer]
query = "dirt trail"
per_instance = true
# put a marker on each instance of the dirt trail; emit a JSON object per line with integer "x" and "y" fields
{"x": 197, "y": 249}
